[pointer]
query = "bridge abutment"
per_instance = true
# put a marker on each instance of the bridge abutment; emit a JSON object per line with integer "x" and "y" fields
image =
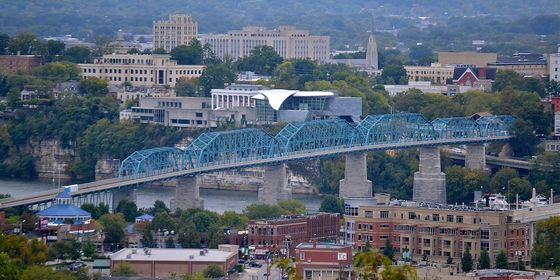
{"x": 355, "y": 182}
{"x": 275, "y": 186}
{"x": 124, "y": 193}
{"x": 475, "y": 157}
{"x": 429, "y": 181}
{"x": 187, "y": 194}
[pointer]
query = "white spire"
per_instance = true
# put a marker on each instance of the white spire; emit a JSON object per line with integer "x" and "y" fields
{"x": 371, "y": 54}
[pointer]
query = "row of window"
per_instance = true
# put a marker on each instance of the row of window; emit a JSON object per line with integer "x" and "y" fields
{"x": 182, "y": 121}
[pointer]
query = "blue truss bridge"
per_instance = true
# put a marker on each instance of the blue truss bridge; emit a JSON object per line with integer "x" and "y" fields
{"x": 242, "y": 148}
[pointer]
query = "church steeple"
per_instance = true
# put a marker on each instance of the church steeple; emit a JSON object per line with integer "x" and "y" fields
{"x": 371, "y": 53}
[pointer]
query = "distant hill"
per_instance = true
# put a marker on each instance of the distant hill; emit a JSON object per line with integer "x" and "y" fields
{"x": 346, "y": 20}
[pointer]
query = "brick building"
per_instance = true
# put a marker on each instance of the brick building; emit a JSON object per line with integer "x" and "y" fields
{"x": 164, "y": 263}
{"x": 296, "y": 229}
{"x": 323, "y": 261}
{"x": 437, "y": 231}
{"x": 15, "y": 63}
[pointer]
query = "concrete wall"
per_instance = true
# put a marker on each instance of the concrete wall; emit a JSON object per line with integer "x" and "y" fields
{"x": 186, "y": 194}
{"x": 355, "y": 182}
{"x": 275, "y": 186}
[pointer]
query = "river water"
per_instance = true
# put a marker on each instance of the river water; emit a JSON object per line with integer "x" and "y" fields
{"x": 214, "y": 200}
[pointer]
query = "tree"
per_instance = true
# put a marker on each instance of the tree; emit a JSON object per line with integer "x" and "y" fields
{"x": 36, "y": 272}
{"x": 484, "y": 260}
{"x": 367, "y": 263}
{"x": 88, "y": 249}
{"x": 169, "y": 242}
{"x": 188, "y": 87}
{"x": 501, "y": 260}
{"x": 547, "y": 243}
{"x": 263, "y": 211}
{"x": 215, "y": 235}
{"x": 93, "y": 86}
{"x": 4, "y": 43}
{"x": 262, "y": 60}
{"x": 203, "y": 219}
{"x": 113, "y": 225}
{"x": 9, "y": 268}
{"x": 52, "y": 49}
{"x": 421, "y": 54}
{"x": 506, "y": 78}
{"x": 213, "y": 271}
{"x": 287, "y": 266}
{"x": 191, "y": 54}
{"x": 148, "y": 240}
{"x": 332, "y": 204}
{"x": 59, "y": 71}
{"x": 499, "y": 182}
{"x": 449, "y": 260}
{"x": 159, "y": 206}
{"x": 466, "y": 260}
{"x": 524, "y": 140}
{"x": 123, "y": 269}
{"x": 24, "y": 43}
{"x": 520, "y": 264}
{"x": 388, "y": 250}
{"x": 292, "y": 206}
{"x": 162, "y": 220}
{"x": 129, "y": 210}
{"x": 77, "y": 55}
{"x": 233, "y": 219}
{"x": 394, "y": 74}
{"x": 160, "y": 51}
{"x": 215, "y": 76}
{"x": 188, "y": 236}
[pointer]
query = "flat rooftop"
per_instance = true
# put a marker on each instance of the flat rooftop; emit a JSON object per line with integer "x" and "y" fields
{"x": 173, "y": 255}
{"x": 321, "y": 246}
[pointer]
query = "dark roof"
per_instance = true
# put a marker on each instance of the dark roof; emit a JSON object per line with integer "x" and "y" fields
{"x": 481, "y": 73}
{"x": 64, "y": 210}
{"x": 522, "y": 58}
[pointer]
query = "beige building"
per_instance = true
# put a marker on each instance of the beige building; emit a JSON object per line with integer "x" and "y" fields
{"x": 437, "y": 231}
{"x": 436, "y": 73}
{"x": 524, "y": 64}
{"x": 180, "y": 29}
{"x": 289, "y": 42}
{"x": 479, "y": 60}
{"x": 140, "y": 69}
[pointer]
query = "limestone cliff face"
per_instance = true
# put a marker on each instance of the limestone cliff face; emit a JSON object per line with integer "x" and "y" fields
{"x": 106, "y": 168}
{"x": 51, "y": 159}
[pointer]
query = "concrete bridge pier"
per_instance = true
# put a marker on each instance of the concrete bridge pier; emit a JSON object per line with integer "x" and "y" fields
{"x": 187, "y": 194}
{"x": 475, "y": 157}
{"x": 275, "y": 186}
{"x": 355, "y": 182}
{"x": 124, "y": 193}
{"x": 429, "y": 181}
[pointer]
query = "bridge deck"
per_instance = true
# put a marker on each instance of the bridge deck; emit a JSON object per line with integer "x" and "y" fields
{"x": 115, "y": 183}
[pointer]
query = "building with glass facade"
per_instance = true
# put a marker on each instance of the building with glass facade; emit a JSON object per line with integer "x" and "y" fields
{"x": 281, "y": 105}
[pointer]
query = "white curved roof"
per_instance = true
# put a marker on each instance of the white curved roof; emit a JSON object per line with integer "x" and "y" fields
{"x": 276, "y": 97}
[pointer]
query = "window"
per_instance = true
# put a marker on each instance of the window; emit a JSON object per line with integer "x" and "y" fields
{"x": 484, "y": 234}
{"x": 435, "y": 217}
{"x": 199, "y": 114}
{"x": 411, "y": 215}
{"x": 450, "y": 218}
{"x": 368, "y": 214}
{"x": 384, "y": 214}
{"x": 384, "y": 226}
{"x": 459, "y": 219}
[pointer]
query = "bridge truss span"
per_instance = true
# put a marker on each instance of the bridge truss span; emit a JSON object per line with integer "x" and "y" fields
{"x": 395, "y": 128}
{"x": 152, "y": 161}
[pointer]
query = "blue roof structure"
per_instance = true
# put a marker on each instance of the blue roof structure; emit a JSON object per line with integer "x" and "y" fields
{"x": 145, "y": 217}
{"x": 64, "y": 194}
{"x": 63, "y": 210}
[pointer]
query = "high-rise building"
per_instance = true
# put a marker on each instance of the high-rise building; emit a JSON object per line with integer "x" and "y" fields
{"x": 180, "y": 29}
{"x": 287, "y": 41}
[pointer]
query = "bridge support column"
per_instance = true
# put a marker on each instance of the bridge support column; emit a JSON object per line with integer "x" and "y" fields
{"x": 475, "y": 157}
{"x": 124, "y": 193}
{"x": 187, "y": 194}
{"x": 429, "y": 181}
{"x": 355, "y": 182}
{"x": 275, "y": 186}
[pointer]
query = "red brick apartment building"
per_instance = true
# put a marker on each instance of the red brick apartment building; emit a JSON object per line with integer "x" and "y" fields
{"x": 323, "y": 261}
{"x": 15, "y": 63}
{"x": 437, "y": 231}
{"x": 274, "y": 233}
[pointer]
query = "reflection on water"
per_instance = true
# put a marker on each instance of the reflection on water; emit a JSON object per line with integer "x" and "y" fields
{"x": 215, "y": 200}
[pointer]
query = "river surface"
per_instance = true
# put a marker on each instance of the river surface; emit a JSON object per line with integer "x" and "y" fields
{"x": 214, "y": 200}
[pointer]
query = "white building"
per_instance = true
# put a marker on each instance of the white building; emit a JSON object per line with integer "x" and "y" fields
{"x": 554, "y": 66}
{"x": 287, "y": 41}
{"x": 235, "y": 95}
{"x": 428, "y": 87}
{"x": 180, "y": 29}
{"x": 140, "y": 69}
